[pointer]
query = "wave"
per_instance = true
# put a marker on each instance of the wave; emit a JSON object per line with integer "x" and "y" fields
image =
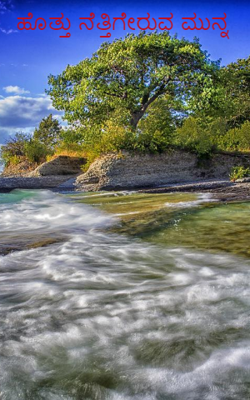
{"x": 102, "y": 316}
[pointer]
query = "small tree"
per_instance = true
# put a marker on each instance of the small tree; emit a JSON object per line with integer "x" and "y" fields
{"x": 14, "y": 149}
{"x": 48, "y": 132}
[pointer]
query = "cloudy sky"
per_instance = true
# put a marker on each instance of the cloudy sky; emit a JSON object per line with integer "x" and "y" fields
{"x": 28, "y": 57}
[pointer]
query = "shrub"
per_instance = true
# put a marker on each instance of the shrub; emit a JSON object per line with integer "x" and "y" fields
{"x": 239, "y": 172}
{"x": 238, "y": 138}
{"x": 35, "y": 151}
{"x": 14, "y": 149}
{"x": 193, "y": 136}
{"x": 70, "y": 150}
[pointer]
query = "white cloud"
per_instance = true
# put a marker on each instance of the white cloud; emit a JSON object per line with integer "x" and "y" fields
{"x": 15, "y": 90}
{"x": 9, "y": 31}
{"x": 20, "y": 113}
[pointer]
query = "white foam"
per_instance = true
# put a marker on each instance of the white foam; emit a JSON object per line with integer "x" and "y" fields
{"x": 202, "y": 198}
{"x": 48, "y": 211}
{"x": 100, "y": 308}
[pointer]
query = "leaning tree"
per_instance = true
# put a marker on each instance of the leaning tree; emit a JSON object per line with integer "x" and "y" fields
{"x": 129, "y": 75}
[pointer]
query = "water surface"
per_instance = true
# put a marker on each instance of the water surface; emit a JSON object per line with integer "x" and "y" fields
{"x": 141, "y": 297}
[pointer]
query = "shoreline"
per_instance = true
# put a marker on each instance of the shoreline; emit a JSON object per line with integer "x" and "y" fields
{"x": 51, "y": 182}
{"x": 222, "y": 190}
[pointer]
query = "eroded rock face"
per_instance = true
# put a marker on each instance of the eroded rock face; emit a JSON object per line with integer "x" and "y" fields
{"x": 61, "y": 165}
{"x": 128, "y": 171}
{"x": 51, "y": 175}
{"x": 23, "y": 168}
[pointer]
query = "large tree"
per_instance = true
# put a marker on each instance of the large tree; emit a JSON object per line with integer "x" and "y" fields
{"x": 130, "y": 74}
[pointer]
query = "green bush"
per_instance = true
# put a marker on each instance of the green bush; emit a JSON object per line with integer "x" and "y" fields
{"x": 14, "y": 149}
{"x": 239, "y": 172}
{"x": 36, "y": 151}
{"x": 193, "y": 136}
{"x": 237, "y": 139}
{"x": 146, "y": 142}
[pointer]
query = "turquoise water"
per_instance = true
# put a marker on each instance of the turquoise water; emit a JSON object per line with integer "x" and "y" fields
{"x": 16, "y": 196}
{"x": 138, "y": 300}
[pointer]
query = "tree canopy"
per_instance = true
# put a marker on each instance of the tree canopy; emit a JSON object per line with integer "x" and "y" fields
{"x": 130, "y": 74}
{"x": 235, "y": 79}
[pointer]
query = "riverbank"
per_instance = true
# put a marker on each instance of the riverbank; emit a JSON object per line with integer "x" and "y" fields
{"x": 222, "y": 190}
{"x": 173, "y": 171}
{"x": 53, "y": 182}
{"x": 135, "y": 171}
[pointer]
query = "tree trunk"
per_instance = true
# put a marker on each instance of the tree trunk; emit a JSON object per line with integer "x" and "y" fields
{"x": 136, "y": 116}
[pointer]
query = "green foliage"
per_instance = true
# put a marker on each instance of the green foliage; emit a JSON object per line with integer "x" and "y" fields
{"x": 236, "y": 82}
{"x": 236, "y": 139}
{"x": 71, "y": 143}
{"x": 194, "y": 136}
{"x": 239, "y": 172}
{"x": 129, "y": 75}
{"x": 14, "y": 160}
{"x": 156, "y": 130}
{"x": 71, "y": 136}
{"x": 143, "y": 93}
{"x": 156, "y": 142}
{"x": 48, "y": 132}
{"x": 35, "y": 151}
{"x": 203, "y": 135}
{"x": 14, "y": 149}
{"x": 22, "y": 146}
{"x": 69, "y": 149}
{"x": 229, "y": 97}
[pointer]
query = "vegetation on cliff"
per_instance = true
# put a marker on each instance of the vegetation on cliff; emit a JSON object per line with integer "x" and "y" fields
{"x": 143, "y": 93}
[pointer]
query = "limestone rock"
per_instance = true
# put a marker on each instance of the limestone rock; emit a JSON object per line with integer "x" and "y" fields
{"x": 130, "y": 171}
{"x": 61, "y": 165}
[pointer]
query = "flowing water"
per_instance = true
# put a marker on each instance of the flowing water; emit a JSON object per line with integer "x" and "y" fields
{"x": 124, "y": 296}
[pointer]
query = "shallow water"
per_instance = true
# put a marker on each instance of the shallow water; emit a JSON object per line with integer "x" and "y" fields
{"x": 119, "y": 309}
{"x": 196, "y": 221}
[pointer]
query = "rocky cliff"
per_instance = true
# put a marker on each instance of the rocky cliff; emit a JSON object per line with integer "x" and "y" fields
{"x": 61, "y": 165}
{"x": 57, "y": 173}
{"x": 128, "y": 171}
{"x": 22, "y": 168}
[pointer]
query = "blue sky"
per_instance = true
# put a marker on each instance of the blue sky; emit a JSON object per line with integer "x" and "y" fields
{"x": 28, "y": 57}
